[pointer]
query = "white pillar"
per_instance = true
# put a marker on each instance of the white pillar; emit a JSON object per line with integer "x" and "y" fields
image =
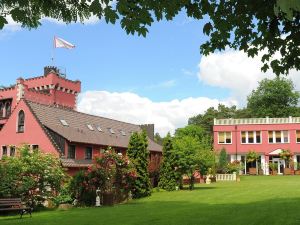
{"x": 263, "y": 164}
{"x": 295, "y": 162}
{"x": 232, "y": 158}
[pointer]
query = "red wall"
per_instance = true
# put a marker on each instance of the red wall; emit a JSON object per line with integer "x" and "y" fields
{"x": 264, "y": 147}
{"x": 33, "y": 133}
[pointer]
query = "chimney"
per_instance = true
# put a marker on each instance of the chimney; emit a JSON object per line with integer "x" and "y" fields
{"x": 149, "y": 128}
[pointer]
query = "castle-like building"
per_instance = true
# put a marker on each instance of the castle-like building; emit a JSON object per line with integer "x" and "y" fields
{"x": 41, "y": 112}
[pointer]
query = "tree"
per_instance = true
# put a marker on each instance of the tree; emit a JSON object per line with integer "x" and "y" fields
{"x": 193, "y": 150}
{"x": 274, "y": 98}
{"x": 138, "y": 155}
{"x": 158, "y": 139}
{"x": 268, "y": 26}
{"x": 32, "y": 176}
{"x": 206, "y": 120}
{"x": 169, "y": 178}
{"x": 222, "y": 165}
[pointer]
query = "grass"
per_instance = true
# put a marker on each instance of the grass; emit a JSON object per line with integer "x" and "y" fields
{"x": 254, "y": 200}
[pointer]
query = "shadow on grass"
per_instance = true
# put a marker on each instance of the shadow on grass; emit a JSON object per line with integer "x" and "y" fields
{"x": 271, "y": 211}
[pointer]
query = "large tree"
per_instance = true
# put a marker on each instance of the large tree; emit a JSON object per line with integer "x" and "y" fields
{"x": 168, "y": 178}
{"x": 138, "y": 154}
{"x": 270, "y": 26}
{"x": 274, "y": 98}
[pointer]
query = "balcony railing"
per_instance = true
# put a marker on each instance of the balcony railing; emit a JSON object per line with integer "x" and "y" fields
{"x": 266, "y": 120}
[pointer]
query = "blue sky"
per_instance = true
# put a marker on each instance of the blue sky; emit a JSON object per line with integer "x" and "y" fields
{"x": 162, "y": 66}
{"x": 159, "y": 79}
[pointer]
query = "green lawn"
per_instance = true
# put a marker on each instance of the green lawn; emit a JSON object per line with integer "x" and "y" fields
{"x": 255, "y": 200}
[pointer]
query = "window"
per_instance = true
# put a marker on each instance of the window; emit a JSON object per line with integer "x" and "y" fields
{"x": 71, "y": 152}
{"x": 35, "y": 148}
{"x": 21, "y": 121}
{"x": 12, "y": 151}
{"x": 1, "y": 110}
{"x": 63, "y": 122}
{"x": 298, "y": 136}
{"x": 99, "y": 128}
{"x": 7, "y": 109}
{"x": 224, "y": 137}
{"x": 90, "y": 126}
{"x": 4, "y": 151}
{"x": 251, "y": 137}
{"x": 88, "y": 152}
{"x": 279, "y": 136}
{"x": 111, "y": 131}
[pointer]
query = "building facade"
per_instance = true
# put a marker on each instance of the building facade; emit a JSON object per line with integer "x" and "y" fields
{"x": 268, "y": 137}
{"x": 41, "y": 112}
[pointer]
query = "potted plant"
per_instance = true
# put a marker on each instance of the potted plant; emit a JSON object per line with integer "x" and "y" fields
{"x": 252, "y": 157}
{"x": 273, "y": 167}
{"x": 286, "y": 156}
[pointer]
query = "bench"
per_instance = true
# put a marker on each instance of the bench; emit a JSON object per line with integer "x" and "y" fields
{"x": 14, "y": 204}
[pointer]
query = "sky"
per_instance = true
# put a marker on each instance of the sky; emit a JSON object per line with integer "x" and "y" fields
{"x": 160, "y": 79}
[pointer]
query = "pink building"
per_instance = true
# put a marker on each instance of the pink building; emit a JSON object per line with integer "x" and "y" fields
{"x": 266, "y": 136}
{"x": 41, "y": 112}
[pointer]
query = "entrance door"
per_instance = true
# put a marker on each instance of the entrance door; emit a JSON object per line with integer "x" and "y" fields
{"x": 280, "y": 165}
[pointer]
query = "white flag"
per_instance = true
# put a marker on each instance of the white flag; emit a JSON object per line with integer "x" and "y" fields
{"x": 61, "y": 43}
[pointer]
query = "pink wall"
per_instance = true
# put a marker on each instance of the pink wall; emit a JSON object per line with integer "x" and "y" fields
{"x": 264, "y": 147}
{"x": 33, "y": 133}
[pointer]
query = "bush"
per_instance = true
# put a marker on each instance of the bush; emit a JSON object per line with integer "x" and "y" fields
{"x": 32, "y": 176}
{"x": 111, "y": 174}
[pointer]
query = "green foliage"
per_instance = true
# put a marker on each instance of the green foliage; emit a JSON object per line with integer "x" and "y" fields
{"x": 222, "y": 165}
{"x": 32, "y": 176}
{"x": 252, "y": 156}
{"x": 138, "y": 154}
{"x": 267, "y": 26}
{"x": 169, "y": 177}
{"x": 234, "y": 166}
{"x": 64, "y": 197}
{"x": 206, "y": 120}
{"x": 112, "y": 173}
{"x": 274, "y": 98}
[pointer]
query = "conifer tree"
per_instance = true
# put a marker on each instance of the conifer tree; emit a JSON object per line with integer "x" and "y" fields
{"x": 138, "y": 154}
{"x": 168, "y": 176}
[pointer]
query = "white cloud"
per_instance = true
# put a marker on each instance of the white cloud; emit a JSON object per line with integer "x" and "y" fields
{"x": 130, "y": 107}
{"x": 237, "y": 72}
{"x": 11, "y": 25}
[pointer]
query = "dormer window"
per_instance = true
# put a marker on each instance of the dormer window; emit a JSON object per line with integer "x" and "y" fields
{"x": 63, "y": 122}
{"x": 111, "y": 131}
{"x": 123, "y": 132}
{"x": 21, "y": 121}
{"x": 99, "y": 128}
{"x": 90, "y": 126}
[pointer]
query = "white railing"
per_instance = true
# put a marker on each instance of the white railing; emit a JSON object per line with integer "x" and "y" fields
{"x": 257, "y": 121}
{"x": 226, "y": 177}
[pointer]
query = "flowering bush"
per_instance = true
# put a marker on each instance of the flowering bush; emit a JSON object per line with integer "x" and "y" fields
{"x": 234, "y": 166}
{"x": 112, "y": 173}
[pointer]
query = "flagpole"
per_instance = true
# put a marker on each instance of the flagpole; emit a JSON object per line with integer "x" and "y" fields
{"x": 53, "y": 51}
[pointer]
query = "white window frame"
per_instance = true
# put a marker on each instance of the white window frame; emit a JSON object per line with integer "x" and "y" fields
{"x": 296, "y": 136}
{"x": 281, "y": 137}
{"x": 225, "y": 137}
{"x": 254, "y": 137}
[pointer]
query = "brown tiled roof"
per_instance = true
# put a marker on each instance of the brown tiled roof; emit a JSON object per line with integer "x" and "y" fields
{"x": 76, "y": 163}
{"x": 78, "y": 131}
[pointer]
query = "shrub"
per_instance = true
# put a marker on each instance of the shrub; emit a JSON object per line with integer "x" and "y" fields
{"x": 32, "y": 176}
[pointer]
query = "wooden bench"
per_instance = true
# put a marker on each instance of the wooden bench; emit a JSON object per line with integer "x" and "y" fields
{"x": 14, "y": 204}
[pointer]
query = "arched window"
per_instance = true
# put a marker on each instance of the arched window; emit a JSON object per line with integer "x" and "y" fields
{"x": 21, "y": 121}
{"x": 1, "y": 110}
{"x": 7, "y": 109}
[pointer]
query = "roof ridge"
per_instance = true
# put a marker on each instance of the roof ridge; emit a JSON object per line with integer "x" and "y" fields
{"x": 72, "y": 110}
